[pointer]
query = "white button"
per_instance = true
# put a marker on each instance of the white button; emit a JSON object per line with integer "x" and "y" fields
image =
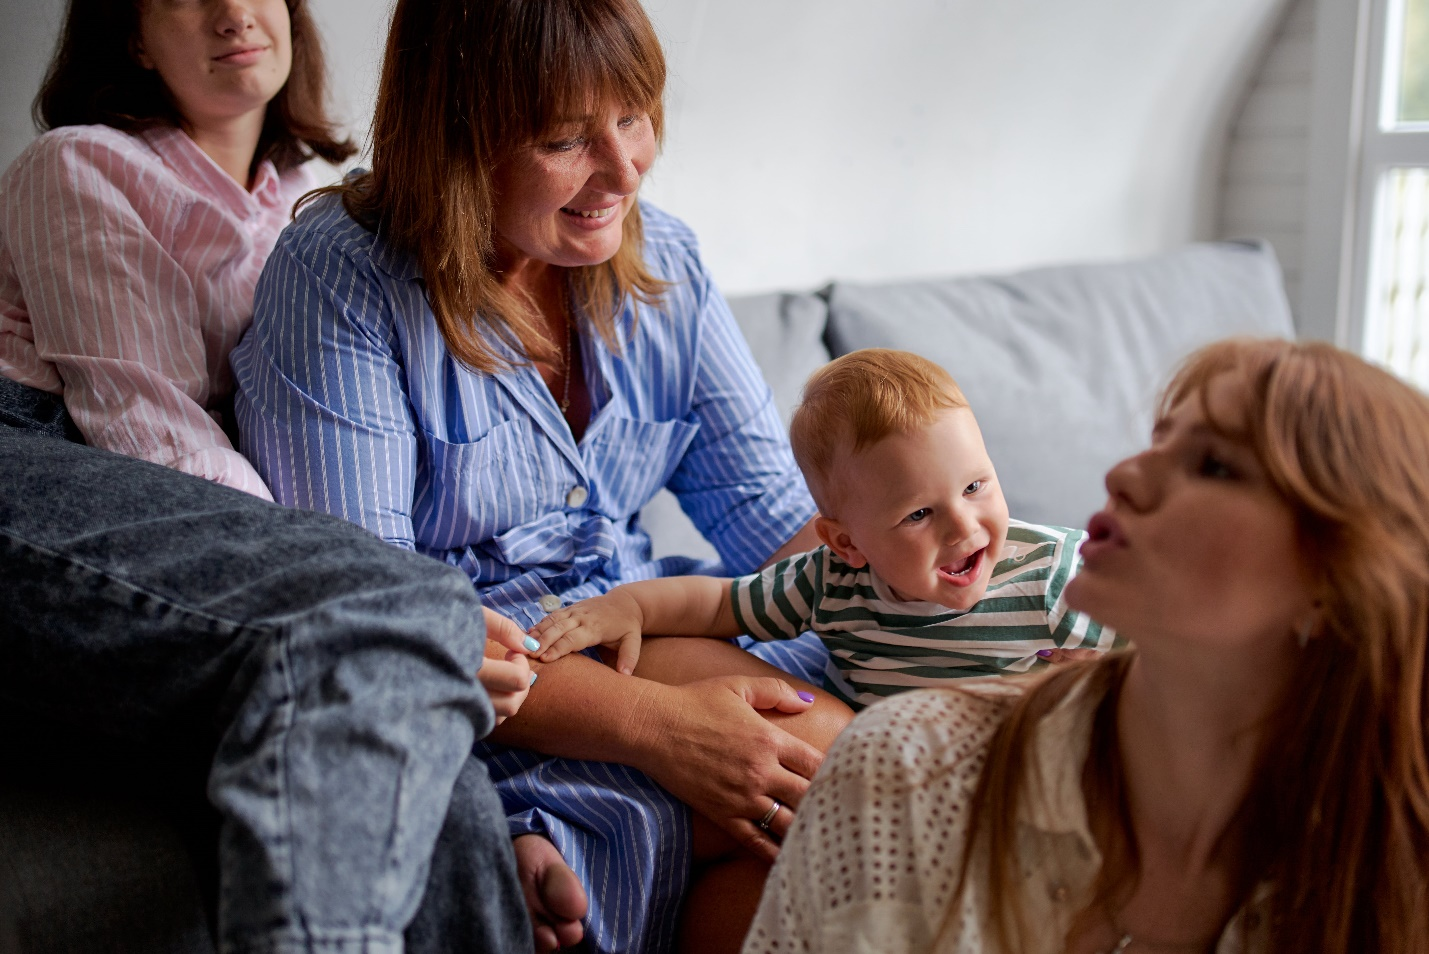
{"x": 550, "y": 602}
{"x": 577, "y": 496}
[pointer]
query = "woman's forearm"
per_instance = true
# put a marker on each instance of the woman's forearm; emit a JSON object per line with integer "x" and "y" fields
{"x": 579, "y": 708}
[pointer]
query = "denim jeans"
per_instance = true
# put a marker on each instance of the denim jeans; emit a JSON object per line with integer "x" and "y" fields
{"x": 323, "y": 677}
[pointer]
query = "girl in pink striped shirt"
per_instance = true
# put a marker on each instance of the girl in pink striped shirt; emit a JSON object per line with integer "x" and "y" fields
{"x": 132, "y": 232}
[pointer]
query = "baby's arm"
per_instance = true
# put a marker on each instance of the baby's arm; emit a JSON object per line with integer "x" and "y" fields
{"x": 673, "y": 606}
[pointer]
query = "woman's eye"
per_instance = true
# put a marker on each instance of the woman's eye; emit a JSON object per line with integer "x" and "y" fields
{"x": 627, "y": 121}
{"x": 1213, "y": 467}
{"x": 918, "y": 516}
{"x": 565, "y": 145}
{"x": 972, "y": 488}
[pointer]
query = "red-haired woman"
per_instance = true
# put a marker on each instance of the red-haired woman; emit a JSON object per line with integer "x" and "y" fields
{"x": 489, "y": 350}
{"x": 1253, "y": 776}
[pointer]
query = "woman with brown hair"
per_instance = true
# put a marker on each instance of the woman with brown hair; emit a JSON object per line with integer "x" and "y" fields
{"x": 1252, "y": 776}
{"x": 317, "y": 682}
{"x": 134, "y": 230}
{"x": 489, "y": 350}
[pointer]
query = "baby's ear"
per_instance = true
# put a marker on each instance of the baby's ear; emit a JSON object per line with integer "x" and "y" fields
{"x": 836, "y": 538}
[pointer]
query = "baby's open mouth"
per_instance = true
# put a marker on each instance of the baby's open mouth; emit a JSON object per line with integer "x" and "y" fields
{"x": 964, "y": 571}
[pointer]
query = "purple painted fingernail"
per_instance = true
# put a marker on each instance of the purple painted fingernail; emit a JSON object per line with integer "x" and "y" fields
{"x": 1045, "y": 653}
{"x": 807, "y": 696}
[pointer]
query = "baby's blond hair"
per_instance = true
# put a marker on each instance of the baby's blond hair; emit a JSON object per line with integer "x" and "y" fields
{"x": 859, "y": 399}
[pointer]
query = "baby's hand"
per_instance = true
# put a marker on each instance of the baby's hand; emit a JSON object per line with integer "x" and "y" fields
{"x": 505, "y": 673}
{"x": 610, "y": 620}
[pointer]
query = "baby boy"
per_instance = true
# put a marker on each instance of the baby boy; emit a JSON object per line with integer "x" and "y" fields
{"x": 922, "y": 577}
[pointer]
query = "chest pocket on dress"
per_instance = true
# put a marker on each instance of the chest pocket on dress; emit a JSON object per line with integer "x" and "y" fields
{"x": 634, "y": 460}
{"x": 472, "y": 492}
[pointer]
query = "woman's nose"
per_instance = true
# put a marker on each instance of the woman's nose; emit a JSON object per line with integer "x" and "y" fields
{"x": 620, "y": 169}
{"x": 234, "y": 17}
{"x": 1132, "y": 481}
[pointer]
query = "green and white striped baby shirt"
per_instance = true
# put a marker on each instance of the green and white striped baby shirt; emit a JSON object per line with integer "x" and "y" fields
{"x": 881, "y": 645}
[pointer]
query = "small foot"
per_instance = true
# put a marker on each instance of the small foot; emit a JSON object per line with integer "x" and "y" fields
{"x": 554, "y": 895}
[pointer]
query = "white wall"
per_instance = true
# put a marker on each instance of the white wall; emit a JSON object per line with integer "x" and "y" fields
{"x": 1268, "y": 157}
{"x": 812, "y": 139}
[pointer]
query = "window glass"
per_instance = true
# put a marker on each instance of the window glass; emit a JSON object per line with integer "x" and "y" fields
{"x": 1414, "y": 63}
{"x": 1397, "y": 319}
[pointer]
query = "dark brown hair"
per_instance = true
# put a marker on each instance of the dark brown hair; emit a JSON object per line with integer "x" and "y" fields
{"x": 94, "y": 79}
{"x": 1337, "y": 816}
{"x": 463, "y": 84}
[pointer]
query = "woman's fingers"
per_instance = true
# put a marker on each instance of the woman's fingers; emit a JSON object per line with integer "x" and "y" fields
{"x": 507, "y": 683}
{"x": 789, "y": 787}
{"x": 505, "y": 675}
{"x": 758, "y": 842}
{"x": 780, "y": 821}
{"x": 767, "y": 692}
{"x": 503, "y": 631}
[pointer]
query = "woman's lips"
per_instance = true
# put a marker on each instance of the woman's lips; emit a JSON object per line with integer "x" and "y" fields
{"x": 964, "y": 572}
{"x": 592, "y": 219}
{"x": 1104, "y": 535}
{"x": 244, "y": 57}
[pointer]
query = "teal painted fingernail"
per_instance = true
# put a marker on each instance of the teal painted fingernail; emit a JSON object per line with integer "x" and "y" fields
{"x": 533, "y": 680}
{"x": 532, "y": 644}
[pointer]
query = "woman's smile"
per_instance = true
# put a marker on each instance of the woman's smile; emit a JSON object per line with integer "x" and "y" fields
{"x": 245, "y": 56}
{"x": 595, "y": 219}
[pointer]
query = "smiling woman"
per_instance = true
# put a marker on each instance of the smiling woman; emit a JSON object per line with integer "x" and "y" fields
{"x": 488, "y": 349}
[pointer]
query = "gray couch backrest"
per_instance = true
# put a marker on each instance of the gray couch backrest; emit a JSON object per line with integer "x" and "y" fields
{"x": 1061, "y": 365}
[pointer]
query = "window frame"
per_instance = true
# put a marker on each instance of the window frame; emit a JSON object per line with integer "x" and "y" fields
{"x": 1350, "y": 152}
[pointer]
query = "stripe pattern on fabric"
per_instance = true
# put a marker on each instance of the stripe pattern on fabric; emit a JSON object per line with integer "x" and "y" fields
{"x": 349, "y": 402}
{"x": 127, "y": 269}
{"x": 880, "y": 646}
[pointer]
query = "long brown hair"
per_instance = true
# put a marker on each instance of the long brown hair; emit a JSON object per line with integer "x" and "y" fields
{"x": 463, "y": 84}
{"x": 1337, "y": 817}
{"x": 94, "y": 79}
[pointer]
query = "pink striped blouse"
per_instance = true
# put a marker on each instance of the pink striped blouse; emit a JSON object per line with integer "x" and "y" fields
{"x": 127, "y": 267}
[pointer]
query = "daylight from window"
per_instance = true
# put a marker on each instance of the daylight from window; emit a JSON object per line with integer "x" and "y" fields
{"x": 1397, "y": 317}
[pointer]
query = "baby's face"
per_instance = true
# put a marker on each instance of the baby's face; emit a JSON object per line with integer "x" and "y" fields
{"x": 924, "y": 510}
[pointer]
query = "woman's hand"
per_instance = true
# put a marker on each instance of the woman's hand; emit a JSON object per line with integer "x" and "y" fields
{"x": 613, "y": 619}
{"x": 709, "y": 746}
{"x": 505, "y": 673}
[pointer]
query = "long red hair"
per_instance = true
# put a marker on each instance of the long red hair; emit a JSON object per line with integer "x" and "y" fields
{"x": 1337, "y": 818}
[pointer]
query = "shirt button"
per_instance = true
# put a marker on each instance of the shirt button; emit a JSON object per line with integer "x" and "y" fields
{"x": 550, "y": 602}
{"x": 577, "y": 496}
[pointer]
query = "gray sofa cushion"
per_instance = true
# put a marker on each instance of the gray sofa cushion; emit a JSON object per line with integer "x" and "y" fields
{"x": 1062, "y": 365}
{"x": 786, "y": 335}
